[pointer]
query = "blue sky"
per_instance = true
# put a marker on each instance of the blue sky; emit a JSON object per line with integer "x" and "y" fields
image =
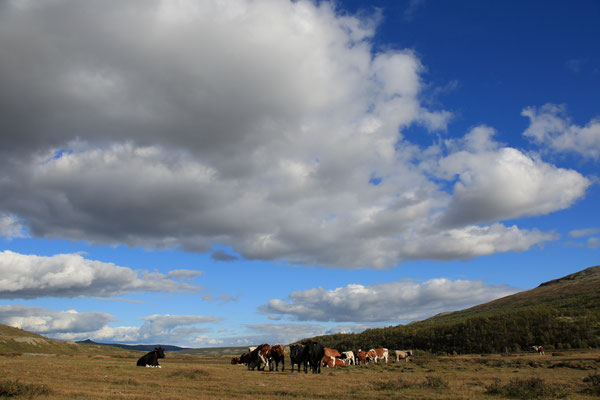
{"x": 208, "y": 174}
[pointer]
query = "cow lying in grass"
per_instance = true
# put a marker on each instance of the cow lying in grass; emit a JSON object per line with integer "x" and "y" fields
{"x": 150, "y": 360}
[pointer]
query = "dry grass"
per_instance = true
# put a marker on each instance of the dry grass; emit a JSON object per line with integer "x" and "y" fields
{"x": 186, "y": 377}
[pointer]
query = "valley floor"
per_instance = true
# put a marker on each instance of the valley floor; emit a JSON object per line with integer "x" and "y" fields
{"x": 562, "y": 374}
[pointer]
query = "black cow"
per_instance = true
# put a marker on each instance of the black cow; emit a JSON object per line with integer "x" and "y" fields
{"x": 151, "y": 359}
{"x": 316, "y": 352}
{"x": 299, "y": 355}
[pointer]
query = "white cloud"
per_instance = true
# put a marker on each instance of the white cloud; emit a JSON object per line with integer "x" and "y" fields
{"x": 394, "y": 302}
{"x": 552, "y": 128}
{"x": 498, "y": 183}
{"x": 254, "y": 125}
{"x": 593, "y": 242}
{"x": 72, "y": 325}
{"x": 578, "y": 233}
{"x": 71, "y": 275}
{"x": 44, "y": 321}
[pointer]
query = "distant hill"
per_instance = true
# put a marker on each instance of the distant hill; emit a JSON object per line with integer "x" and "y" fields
{"x": 15, "y": 340}
{"x": 136, "y": 347}
{"x": 562, "y": 313}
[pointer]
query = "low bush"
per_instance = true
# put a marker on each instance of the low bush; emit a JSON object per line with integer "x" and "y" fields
{"x": 391, "y": 385}
{"x": 594, "y": 381}
{"x": 434, "y": 382}
{"x": 14, "y": 388}
{"x": 533, "y": 388}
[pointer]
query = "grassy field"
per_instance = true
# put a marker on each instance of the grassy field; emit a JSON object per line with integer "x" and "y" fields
{"x": 571, "y": 375}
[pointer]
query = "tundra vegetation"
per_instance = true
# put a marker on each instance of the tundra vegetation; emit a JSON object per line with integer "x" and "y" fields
{"x": 571, "y": 374}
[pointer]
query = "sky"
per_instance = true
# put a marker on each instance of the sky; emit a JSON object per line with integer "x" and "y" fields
{"x": 229, "y": 173}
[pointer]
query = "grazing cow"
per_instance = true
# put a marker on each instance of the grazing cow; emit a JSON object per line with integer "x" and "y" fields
{"x": 151, "y": 359}
{"x": 403, "y": 355}
{"x": 378, "y": 354}
{"x": 315, "y": 356}
{"x": 299, "y": 355}
{"x": 258, "y": 356}
{"x": 244, "y": 359}
{"x": 348, "y": 357}
{"x": 539, "y": 349}
{"x": 276, "y": 356}
{"x": 361, "y": 357}
{"x": 331, "y": 352}
{"x": 235, "y": 360}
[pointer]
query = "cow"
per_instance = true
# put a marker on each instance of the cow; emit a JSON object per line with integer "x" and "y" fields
{"x": 151, "y": 359}
{"x": 331, "y": 352}
{"x": 299, "y": 356}
{"x": 348, "y": 357}
{"x": 378, "y": 354}
{"x": 244, "y": 358}
{"x": 326, "y": 360}
{"x": 276, "y": 355}
{"x": 258, "y": 356}
{"x": 235, "y": 360}
{"x": 315, "y": 356}
{"x": 539, "y": 349}
{"x": 361, "y": 357}
{"x": 329, "y": 361}
{"x": 403, "y": 355}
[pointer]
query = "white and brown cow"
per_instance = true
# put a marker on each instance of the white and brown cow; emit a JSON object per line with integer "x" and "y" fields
{"x": 348, "y": 357}
{"x": 378, "y": 354}
{"x": 539, "y": 349}
{"x": 259, "y": 356}
{"x": 403, "y": 355}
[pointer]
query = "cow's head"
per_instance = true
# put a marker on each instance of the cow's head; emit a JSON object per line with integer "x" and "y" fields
{"x": 160, "y": 352}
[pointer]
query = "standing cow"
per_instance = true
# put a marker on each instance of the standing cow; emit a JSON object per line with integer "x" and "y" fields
{"x": 361, "y": 357}
{"x": 348, "y": 357}
{"x": 299, "y": 356}
{"x": 258, "y": 356}
{"x": 151, "y": 359}
{"x": 378, "y": 354}
{"x": 316, "y": 352}
{"x": 403, "y": 355}
{"x": 276, "y": 355}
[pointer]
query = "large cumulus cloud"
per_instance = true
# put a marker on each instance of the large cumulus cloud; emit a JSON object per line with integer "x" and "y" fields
{"x": 271, "y": 127}
{"x": 399, "y": 301}
{"x": 72, "y": 275}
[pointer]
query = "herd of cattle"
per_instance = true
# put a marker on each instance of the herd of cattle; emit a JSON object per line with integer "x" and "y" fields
{"x": 313, "y": 355}
{"x": 308, "y": 354}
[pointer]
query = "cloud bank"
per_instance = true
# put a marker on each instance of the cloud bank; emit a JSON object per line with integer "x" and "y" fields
{"x": 270, "y": 127}
{"x": 71, "y": 275}
{"x": 73, "y": 325}
{"x": 395, "y": 302}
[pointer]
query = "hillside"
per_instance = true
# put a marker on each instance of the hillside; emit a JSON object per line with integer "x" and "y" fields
{"x": 15, "y": 340}
{"x": 562, "y": 313}
{"x": 135, "y": 347}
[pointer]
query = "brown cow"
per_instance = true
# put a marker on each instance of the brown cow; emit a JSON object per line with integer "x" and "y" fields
{"x": 275, "y": 356}
{"x": 361, "y": 357}
{"x": 332, "y": 352}
{"x": 258, "y": 356}
{"x": 403, "y": 355}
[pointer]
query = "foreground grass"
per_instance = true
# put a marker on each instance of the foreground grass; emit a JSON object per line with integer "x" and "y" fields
{"x": 571, "y": 375}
